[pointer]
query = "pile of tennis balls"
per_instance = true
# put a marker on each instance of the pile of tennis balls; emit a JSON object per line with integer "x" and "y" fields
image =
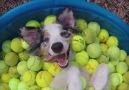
{"x": 92, "y": 46}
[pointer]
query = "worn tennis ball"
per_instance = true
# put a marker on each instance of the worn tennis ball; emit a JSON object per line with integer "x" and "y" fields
{"x": 94, "y": 50}
{"x": 5, "y": 77}
{"x": 23, "y": 86}
{"x": 46, "y": 65}
{"x": 13, "y": 83}
{"x": 120, "y": 76}
{"x": 13, "y": 72}
{"x": 94, "y": 26}
{"x": 84, "y": 82}
{"x": 34, "y": 87}
{"x": 54, "y": 69}
{"x": 123, "y": 86}
{"x": 16, "y": 45}
{"x": 127, "y": 60}
{"x": 89, "y": 36}
{"x": 126, "y": 77}
{"x": 25, "y": 45}
{"x": 43, "y": 79}
{"x": 123, "y": 55}
{"x": 3, "y": 67}
{"x": 33, "y": 23}
{"x": 29, "y": 77}
{"x": 11, "y": 58}
{"x": 103, "y": 58}
{"x": 82, "y": 58}
{"x": 6, "y": 46}
{"x": 91, "y": 66}
{"x": 111, "y": 67}
{"x": 81, "y": 24}
{"x": 49, "y": 20}
{"x": 74, "y": 63}
{"x": 103, "y": 35}
{"x": 4, "y": 86}
{"x": 78, "y": 43}
{"x": 23, "y": 56}
{"x": 112, "y": 41}
{"x": 22, "y": 67}
{"x": 34, "y": 63}
{"x": 113, "y": 52}
{"x": 121, "y": 67}
{"x": 104, "y": 47}
{"x": 91, "y": 88}
{"x": 47, "y": 88}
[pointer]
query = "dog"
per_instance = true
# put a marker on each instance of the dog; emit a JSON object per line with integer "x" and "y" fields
{"x": 52, "y": 42}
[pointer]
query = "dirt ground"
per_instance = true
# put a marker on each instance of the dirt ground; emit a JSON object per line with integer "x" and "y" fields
{"x": 118, "y": 7}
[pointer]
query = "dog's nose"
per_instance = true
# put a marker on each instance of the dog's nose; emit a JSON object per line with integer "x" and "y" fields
{"x": 57, "y": 47}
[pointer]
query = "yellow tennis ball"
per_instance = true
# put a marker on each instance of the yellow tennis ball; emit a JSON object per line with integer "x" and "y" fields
{"x": 43, "y": 79}
{"x": 49, "y": 20}
{"x": 123, "y": 86}
{"x": 126, "y": 77}
{"x": 47, "y": 88}
{"x": 25, "y": 45}
{"x": 120, "y": 76}
{"x": 6, "y": 46}
{"x": 46, "y": 65}
{"x": 73, "y": 63}
{"x": 11, "y": 59}
{"x": 33, "y": 23}
{"x": 81, "y": 24}
{"x": 5, "y": 77}
{"x": 121, "y": 67}
{"x": 123, "y": 55}
{"x": 112, "y": 41}
{"x": 22, "y": 67}
{"x": 3, "y": 67}
{"x": 127, "y": 60}
{"x": 78, "y": 43}
{"x": 103, "y": 58}
{"x": 23, "y": 86}
{"x": 13, "y": 72}
{"x": 103, "y": 35}
{"x": 82, "y": 58}
{"x": 94, "y": 50}
{"x": 111, "y": 67}
{"x": 54, "y": 69}
{"x": 16, "y": 45}
{"x": 23, "y": 56}
{"x": 91, "y": 66}
{"x": 34, "y": 63}
{"x": 91, "y": 88}
{"x": 104, "y": 47}
{"x": 13, "y": 83}
{"x": 4, "y": 86}
{"x": 34, "y": 87}
{"x": 29, "y": 77}
{"x": 84, "y": 82}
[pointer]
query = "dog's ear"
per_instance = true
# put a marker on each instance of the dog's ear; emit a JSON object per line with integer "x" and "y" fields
{"x": 67, "y": 18}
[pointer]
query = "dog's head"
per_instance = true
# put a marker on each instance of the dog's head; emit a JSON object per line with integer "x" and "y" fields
{"x": 52, "y": 42}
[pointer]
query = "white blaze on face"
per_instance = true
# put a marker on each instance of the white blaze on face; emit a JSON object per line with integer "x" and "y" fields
{"x": 54, "y": 30}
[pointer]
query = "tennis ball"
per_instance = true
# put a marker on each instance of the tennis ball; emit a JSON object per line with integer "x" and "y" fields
{"x": 78, "y": 43}
{"x": 13, "y": 83}
{"x": 23, "y": 86}
{"x": 94, "y": 26}
{"x": 34, "y": 63}
{"x": 120, "y": 76}
{"x": 16, "y": 45}
{"x": 23, "y": 56}
{"x": 29, "y": 77}
{"x": 46, "y": 65}
{"x": 22, "y": 67}
{"x": 123, "y": 55}
{"x": 113, "y": 52}
{"x": 123, "y": 86}
{"x": 89, "y": 36}
{"x": 43, "y": 79}
{"x": 81, "y": 24}
{"x": 13, "y": 72}
{"x": 104, "y": 47}
{"x": 91, "y": 88}
{"x": 82, "y": 58}
{"x": 6, "y": 46}
{"x": 111, "y": 67}
{"x": 91, "y": 66}
{"x": 4, "y": 86}
{"x": 5, "y": 77}
{"x": 49, "y": 20}
{"x": 103, "y": 58}
{"x": 47, "y": 88}
{"x": 54, "y": 69}
{"x": 126, "y": 77}
{"x": 94, "y": 50}
{"x": 73, "y": 63}
{"x": 115, "y": 62}
{"x": 127, "y": 60}
{"x": 84, "y": 83}
{"x": 103, "y": 35}
{"x": 34, "y": 87}
{"x": 3, "y": 67}
{"x": 112, "y": 41}
{"x": 25, "y": 45}
{"x": 11, "y": 58}
{"x": 33, "y": 23}
{"x": 121, "y": 67}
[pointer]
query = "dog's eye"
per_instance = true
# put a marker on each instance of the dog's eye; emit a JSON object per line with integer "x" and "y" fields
{"x": 46, "y": 40}
{"x": 65, "y": 34}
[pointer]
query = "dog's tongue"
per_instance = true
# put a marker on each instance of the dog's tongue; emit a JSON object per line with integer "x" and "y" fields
{"x": 61, "y": 59}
